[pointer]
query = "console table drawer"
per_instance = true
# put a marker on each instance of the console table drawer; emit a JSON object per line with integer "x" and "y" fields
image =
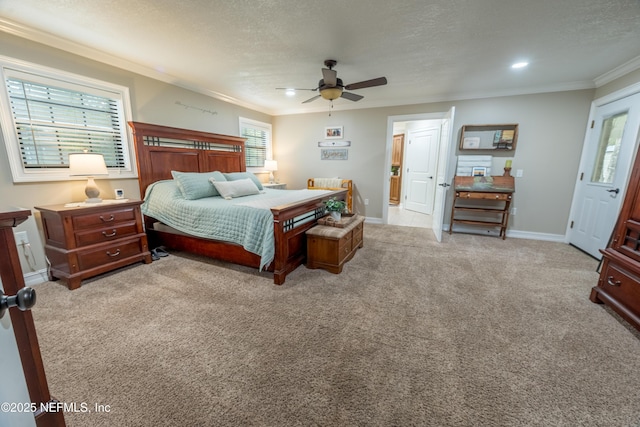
{"x": 484, "y": 196}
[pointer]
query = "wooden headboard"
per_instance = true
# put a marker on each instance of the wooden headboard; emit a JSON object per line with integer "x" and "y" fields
{"x": 161, "y": 149}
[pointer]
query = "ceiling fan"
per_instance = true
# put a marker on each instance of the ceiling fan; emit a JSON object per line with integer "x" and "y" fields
{"x": 331, "y": 87}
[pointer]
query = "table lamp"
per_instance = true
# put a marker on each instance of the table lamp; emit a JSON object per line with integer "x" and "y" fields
{"x": 89, "y": 165}
{"x": 271, "y": 165}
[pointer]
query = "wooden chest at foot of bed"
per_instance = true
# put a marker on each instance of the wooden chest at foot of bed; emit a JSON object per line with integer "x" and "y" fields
{"x": 331, "y": 247}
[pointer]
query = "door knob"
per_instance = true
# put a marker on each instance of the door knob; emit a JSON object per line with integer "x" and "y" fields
{"x": 24, "y": 299}
{"x": 616, "y": 190}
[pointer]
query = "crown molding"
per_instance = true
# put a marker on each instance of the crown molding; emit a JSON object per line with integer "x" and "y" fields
{"x": 617, "y": 72}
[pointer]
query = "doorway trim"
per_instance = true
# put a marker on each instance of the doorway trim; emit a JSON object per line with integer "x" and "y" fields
{"x": 387, "y": 160}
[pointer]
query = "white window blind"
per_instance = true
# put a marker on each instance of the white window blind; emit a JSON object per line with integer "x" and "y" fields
{"x": 52, "y": 122}
{"x": 47, "y": 113}
{"x": 258, "y": 142}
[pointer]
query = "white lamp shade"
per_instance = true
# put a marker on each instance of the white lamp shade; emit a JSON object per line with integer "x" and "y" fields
{"x": 87, "y": 164}
{"x": 271, "y": 165}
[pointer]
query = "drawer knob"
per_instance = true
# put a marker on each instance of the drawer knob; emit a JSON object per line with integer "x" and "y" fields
{"x": 613, "y": 282}
{"x": 113, "y": 233}
{"x": 111, "y": 218}
{"x": 116, "y": 253}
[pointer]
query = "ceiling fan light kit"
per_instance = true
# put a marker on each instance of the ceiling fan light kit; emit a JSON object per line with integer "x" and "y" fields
{"x": 331, "y": 87}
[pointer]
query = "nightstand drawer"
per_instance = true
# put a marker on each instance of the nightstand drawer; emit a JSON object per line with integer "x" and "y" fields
{"x": 109, "y": 254}
{"x": 89, "y": 237}
{"x": 104, "y": 218}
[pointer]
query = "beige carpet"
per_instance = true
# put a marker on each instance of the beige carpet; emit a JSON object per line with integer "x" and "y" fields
{"x": 474, "y": 331}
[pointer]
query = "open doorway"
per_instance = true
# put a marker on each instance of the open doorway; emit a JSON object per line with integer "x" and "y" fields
{"x": 412, "y": 156}
{"x": 430, "y": 161}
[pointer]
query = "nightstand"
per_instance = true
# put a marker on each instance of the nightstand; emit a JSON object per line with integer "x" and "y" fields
{"x": 90, "y": 239}
{"x": 276, "y": 186}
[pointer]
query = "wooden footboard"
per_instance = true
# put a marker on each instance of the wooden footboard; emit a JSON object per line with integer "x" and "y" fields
{"x": 290, "y": 222}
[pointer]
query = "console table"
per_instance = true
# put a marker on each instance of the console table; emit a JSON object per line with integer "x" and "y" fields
{"x": 482, "y": 201}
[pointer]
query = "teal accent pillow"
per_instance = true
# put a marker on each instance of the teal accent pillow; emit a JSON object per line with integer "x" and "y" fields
{"x": 194, "y": 185}
{"x": 234, "y": 176}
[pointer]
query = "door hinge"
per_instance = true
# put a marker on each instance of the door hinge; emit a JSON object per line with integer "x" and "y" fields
{"x": 593, "y": 123}
{"x": 571, "y": 225}
{"x": 581, "y": 175}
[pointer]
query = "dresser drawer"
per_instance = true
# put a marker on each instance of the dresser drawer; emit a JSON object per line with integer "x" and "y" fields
{"x": 104, "y": 218}
{"x": 107, "y": 254}
{"x": 100, "y": 235}
{"x": 622, "y": 286}
{"x": 483, "y": 196}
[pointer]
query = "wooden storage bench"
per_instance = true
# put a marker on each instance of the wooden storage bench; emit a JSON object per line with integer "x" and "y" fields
{"x": 330, "y": 247}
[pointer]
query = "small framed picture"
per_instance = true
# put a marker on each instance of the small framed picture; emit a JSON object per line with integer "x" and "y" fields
{"x": 333, "y": 132}
{"x": 479, "y": 171}
{"x": 119, "y": 193}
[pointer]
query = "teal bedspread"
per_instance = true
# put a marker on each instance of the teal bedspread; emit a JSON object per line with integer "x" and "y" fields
{"x": 246, "y": 221}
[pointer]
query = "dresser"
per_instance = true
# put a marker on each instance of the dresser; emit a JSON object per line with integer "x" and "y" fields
{"x": 482, "y": 201}
{"x": 87, "y": 240}
{"x": 619, "y": 282}
{"x": 331, "y": 247}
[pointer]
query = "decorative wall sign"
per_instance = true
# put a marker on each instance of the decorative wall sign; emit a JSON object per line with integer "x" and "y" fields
{"x": 334, "y": 143}
{"x": 333, "y": 132}
{"x": 191, "y": 107}
{"x": 334, "y": 154}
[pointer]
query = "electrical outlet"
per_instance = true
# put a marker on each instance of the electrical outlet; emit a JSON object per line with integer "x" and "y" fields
{"x": 513, "y": 211}
{"x": 21, "y": 237}
{"x": 519, "y": 173}
{"x": 366, "y": 201}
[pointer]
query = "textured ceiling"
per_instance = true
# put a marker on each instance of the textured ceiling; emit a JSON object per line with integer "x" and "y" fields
{"x": 429, "y": 50}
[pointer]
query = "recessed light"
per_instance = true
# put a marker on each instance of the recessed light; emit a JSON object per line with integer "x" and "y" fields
{"x": 290, "y": 92}
{"x": 519, "y": 65}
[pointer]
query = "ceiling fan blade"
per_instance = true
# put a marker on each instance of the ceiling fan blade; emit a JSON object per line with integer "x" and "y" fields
{"x": 311, "y": 99}
{"x": 380, "y": 81}
{"x": 351, "y": 96}
{"x": 330, "y": 77}
{"x": 291, "y": 88}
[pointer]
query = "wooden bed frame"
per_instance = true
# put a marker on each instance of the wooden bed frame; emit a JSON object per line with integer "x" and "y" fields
{"x": 161, "y": 149}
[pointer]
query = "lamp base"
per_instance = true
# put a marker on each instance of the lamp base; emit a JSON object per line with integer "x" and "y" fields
{"x": 92, "y": 191}
{"x": 271, "y": 178}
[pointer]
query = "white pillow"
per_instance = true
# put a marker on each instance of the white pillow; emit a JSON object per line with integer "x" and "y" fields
{"x": 238, "y": 188}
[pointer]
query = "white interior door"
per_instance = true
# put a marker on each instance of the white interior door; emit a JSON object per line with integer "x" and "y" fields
{"x": 13, "y": 387}
{"x": 609, "y": 150}
{"x": 420, "y": 170}
{"x": 442, "y": 176}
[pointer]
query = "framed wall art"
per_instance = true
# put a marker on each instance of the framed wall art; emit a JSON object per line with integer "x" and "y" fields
{"x": 333, "y": 132}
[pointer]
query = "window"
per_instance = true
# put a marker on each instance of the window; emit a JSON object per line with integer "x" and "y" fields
{"x": 258, "y": 142}
{"x": 47, "y": 114}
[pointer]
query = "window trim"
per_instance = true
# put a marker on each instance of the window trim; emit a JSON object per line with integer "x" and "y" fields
{"x": 269, "y": 154}
{"x": 71, "y": 81}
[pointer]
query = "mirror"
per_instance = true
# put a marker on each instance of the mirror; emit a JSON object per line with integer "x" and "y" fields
{"x": 489, "y": 137}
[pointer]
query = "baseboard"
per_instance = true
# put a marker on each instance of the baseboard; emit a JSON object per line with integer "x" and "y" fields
{"x": 36, "y": 278}
{"x": 515, "y": 234}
